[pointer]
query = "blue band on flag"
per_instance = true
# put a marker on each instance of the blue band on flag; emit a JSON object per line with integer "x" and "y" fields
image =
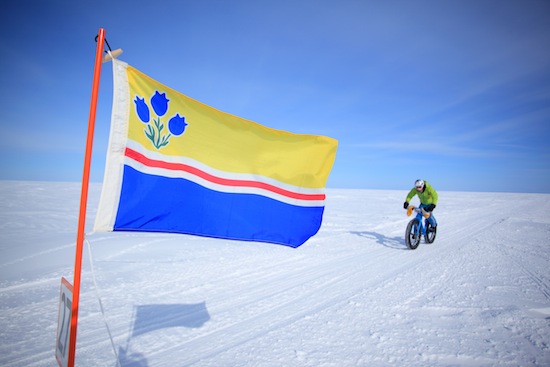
{"x": 153, "y": 203}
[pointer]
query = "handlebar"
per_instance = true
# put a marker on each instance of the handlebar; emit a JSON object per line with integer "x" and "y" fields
{"x": 411, "y": 208}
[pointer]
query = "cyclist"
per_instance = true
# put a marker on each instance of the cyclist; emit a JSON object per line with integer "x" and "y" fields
{"x": 428, "y": 199}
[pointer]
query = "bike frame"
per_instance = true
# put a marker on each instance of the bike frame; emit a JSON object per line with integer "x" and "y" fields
{"x": 414, "y": 232}
{"x": 421, "y": 216}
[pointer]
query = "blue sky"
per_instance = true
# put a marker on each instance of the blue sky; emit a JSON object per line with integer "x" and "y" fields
{"x": 455, "y": 92}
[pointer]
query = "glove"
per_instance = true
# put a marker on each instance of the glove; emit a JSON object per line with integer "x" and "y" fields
{"x": 430, "y": 208}
{"x": 405, "y": 205}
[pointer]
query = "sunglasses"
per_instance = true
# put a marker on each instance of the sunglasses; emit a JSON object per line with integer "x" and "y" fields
{"x": 419, "y": 187}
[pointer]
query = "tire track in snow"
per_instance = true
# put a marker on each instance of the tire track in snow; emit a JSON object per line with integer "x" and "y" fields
{"x": 496, "y": 232}
{"x": 336, "y": 276}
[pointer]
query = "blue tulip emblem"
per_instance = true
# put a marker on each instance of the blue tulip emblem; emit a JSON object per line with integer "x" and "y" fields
{"x": 177, "y": 125}
{"x": 155, "y": 132}
{"x": 159, "y": 103}
{"x": 142, "y": 109}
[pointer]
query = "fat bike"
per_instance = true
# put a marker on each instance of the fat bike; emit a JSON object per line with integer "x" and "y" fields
{"x": 418, "y": 227}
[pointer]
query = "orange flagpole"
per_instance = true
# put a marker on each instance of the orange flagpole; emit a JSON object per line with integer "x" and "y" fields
{"x": 84, "y": 197}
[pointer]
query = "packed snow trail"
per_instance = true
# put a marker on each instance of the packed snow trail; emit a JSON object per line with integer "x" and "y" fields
{"x": 353, "y": 295}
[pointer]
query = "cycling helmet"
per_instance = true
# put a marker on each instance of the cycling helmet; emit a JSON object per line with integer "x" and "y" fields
{"x": 419, "y": 184}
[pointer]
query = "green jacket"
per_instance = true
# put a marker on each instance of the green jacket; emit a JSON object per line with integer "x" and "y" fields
{"x": 427, "y": 196}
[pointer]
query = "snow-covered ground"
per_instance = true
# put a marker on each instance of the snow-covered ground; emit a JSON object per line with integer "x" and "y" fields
{"x": 353, "y": 295}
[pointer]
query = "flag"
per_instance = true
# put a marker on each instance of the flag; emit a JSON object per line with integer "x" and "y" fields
{"x": 177, "y": 165}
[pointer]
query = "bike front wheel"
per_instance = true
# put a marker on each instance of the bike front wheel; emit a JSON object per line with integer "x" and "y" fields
{"x": 412, "y": 234}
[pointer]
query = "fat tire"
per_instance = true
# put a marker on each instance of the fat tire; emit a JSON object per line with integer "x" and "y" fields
{"x": 410, "y": 238}
{"x": 430, "y": 236}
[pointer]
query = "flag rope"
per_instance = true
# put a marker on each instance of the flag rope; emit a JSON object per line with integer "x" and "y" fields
{"x": 100, "y": 303}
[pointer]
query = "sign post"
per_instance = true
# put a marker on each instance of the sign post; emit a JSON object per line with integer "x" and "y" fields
{"x": 64, "y": 323}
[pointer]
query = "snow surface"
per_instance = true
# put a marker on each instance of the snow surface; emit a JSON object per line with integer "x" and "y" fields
{"x": 353, "y": 295}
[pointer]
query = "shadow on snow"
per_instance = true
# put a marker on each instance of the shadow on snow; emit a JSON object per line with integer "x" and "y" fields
{"x": 397, "y": 243}
{"x": 148, "y": 318}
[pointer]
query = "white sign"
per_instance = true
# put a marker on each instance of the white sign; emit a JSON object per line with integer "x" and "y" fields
{"x": 64, "y": 323}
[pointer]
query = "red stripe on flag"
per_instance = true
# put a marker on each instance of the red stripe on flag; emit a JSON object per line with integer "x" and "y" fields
{"x": 130, "y": 153}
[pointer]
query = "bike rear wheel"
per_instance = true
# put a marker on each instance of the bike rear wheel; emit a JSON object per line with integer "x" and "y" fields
{"x": 412, "y": 234}
{"x": 430, "y": 233}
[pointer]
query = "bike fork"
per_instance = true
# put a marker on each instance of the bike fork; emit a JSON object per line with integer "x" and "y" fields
{"x": 418, "y": 232}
